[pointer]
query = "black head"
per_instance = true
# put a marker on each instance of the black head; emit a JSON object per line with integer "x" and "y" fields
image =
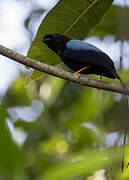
{"x": 55, "y": 41}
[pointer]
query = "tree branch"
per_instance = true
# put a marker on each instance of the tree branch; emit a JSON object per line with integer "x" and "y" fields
{"x": 54, "y": 71}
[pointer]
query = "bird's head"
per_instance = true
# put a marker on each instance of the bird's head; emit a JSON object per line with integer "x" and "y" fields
{"x": 55, "y": 41}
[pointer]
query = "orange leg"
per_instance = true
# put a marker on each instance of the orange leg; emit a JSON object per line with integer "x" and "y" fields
{"x": 80, "y": 70}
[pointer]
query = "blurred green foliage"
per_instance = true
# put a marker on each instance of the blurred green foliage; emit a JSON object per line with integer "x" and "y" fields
{"x": 114, "y": 23}
{"x": 67, "y": 132}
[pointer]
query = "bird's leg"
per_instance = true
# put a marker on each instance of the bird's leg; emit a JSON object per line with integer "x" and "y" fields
{"x": 101, "y": 76}
{"x": 80, "y": 70}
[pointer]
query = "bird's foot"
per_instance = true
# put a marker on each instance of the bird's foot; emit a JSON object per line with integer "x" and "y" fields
{"x": 77, "y": 74}
{"x": 101, "y": 78}
{"x": 80, "y": 70}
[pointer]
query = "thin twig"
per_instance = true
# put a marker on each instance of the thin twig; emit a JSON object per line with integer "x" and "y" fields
{"x": 54, "y": 71}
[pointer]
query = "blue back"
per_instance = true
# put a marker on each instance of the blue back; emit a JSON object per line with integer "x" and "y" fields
{"x": 83, "y": 52}
{"x": 78, "y": 45}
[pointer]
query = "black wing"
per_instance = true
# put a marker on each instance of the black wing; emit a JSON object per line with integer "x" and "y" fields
{"x": 89, "y": 57}
{"x": 83, "y": 52}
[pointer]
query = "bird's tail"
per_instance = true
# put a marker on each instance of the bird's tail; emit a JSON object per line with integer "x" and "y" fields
{"x": 125, "y": 89}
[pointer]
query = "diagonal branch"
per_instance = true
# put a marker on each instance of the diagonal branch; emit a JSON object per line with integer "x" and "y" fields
{"x": 54, "y": 71}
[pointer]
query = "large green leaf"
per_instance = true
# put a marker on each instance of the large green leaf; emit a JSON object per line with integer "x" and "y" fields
{"x": 114, "y": 23}
{"x": 72, "y": 18}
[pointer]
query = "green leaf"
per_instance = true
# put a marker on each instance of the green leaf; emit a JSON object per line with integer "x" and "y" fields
{"x": 72, "y": 18}
{"x": 10, "y": 154}
{"x": 90, "y": 162}
{"x": 108, "y": 25}
{"x": 114, "y": 23}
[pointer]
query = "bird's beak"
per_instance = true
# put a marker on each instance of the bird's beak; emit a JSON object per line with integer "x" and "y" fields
{"x": 44, "y": 40}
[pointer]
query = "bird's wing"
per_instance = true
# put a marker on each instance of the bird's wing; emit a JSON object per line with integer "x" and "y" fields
{"x": 83, "y": 52}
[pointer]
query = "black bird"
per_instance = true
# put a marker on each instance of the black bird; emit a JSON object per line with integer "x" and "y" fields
{"x": 80, "y": 56}
{"x": 85, "y": 58}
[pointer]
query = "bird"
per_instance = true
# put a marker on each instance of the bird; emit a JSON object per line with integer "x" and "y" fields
{"x": 85, "y": 58}
{"x": 80, "y": 56}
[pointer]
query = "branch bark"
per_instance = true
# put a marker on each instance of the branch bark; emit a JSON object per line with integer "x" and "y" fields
{"x": 54, "y": 71}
